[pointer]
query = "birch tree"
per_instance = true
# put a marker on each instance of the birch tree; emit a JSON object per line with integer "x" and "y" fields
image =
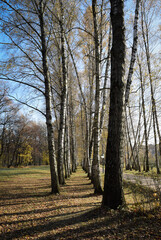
{"x": 63, "y": 99}
{"x": 51, "y": 146}
{"x": 134, "y": 51}
{"x": 145, "y": 34}
{"x": 96, "y": 132}
{"x": 113, "y": 193}
{"x": 144, "y": 118}
{"x": 22, "y": 29}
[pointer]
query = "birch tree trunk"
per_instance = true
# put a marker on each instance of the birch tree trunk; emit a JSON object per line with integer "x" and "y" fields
{"x": 135, "y": 148}
{"x": 145, "y": 122}
{"x": 154, "y": 109}
{"x": 113, "y": 193}
{"x": 155, "y": 143}
{"x": 90, "y": 79}
{"x": 134, "y": 51}
{"x": 96, "y": 125}
{"x": 68, "y": 144}
{"x": 129, "y": 141}
{"x": 128, "y": 162}
{"x": 68, "y": 156}
{"x": 63, "y": 100}
{"x": 71, "y": 126}
{"x": 67, "y": 148}
{"x": 51, "y": 146}
{"x": 86, "y": 160}
{"x": 104, "y": 99}
{"x": 72, "y": 133}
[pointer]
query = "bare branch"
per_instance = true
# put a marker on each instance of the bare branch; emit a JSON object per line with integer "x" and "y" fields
{"x": 24, "y": 83}
{"x": 28, "y": 105}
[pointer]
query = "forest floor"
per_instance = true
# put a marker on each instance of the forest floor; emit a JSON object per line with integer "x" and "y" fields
{"x": 29, "y": 211}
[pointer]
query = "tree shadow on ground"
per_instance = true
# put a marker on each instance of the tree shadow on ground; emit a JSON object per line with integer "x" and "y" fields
{"x": 45, "y": 210}
{"x": 74, "y": 214}
{"x": 102, "y": 224}
{"x": 95, "y": 223}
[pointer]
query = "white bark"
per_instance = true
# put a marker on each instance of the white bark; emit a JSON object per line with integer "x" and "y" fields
{"x": 134, "y": 51}
{"x": 51, "y": 146}
{"x": 96, "y": 125}
{"x": 63, "y": 100}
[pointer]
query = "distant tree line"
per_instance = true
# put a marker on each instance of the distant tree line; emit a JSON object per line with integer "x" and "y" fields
{"x": 22, "y": 141}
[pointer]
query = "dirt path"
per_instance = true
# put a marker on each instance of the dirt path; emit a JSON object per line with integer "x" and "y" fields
{"x": 154, "y": 183}
{"x": 28, "y": 211}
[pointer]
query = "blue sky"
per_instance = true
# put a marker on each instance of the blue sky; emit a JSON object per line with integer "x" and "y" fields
{"x": 21, "y": 91}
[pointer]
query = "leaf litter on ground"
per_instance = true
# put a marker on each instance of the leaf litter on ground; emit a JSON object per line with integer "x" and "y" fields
{"x": 29, "y": 211}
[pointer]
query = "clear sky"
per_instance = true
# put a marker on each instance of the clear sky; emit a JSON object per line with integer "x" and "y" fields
{"x": 21, "y": 91}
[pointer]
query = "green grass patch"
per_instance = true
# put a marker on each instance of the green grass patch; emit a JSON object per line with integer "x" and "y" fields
{"x": 31, "y": 171}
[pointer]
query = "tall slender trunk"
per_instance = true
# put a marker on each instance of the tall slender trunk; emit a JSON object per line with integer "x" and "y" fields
{"x": 136, "y": 164}
{"x": 54, "y": 106}
{"x": 2, "y": 140}
{"x": 83, "y": 140}
{"x": 90, "y": 77}
{"x": 67, "y": 148}
{"x": 51, "y": 147}
{"x": 101, "y": 32}
{"x": 154, "y": 109}
{"x": 155, "y": 143}
{"x": 63, "y": 100}
{"x": 91, "y": 111}
{"x": 65, "y": 154}
{"x": 68, "y": 155}
{"x": 96, "y": 161}
{"x": 129, "y": 140}
{"x": 72, "y": 132}
{"x": 104, "y": 99}
{"x": 113, "y": 192}
{"x": 144, "y": 117}
{"x": 134, "y": 51}
{"x": 128, "y": 162}
{"x": 87, "y": 161}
